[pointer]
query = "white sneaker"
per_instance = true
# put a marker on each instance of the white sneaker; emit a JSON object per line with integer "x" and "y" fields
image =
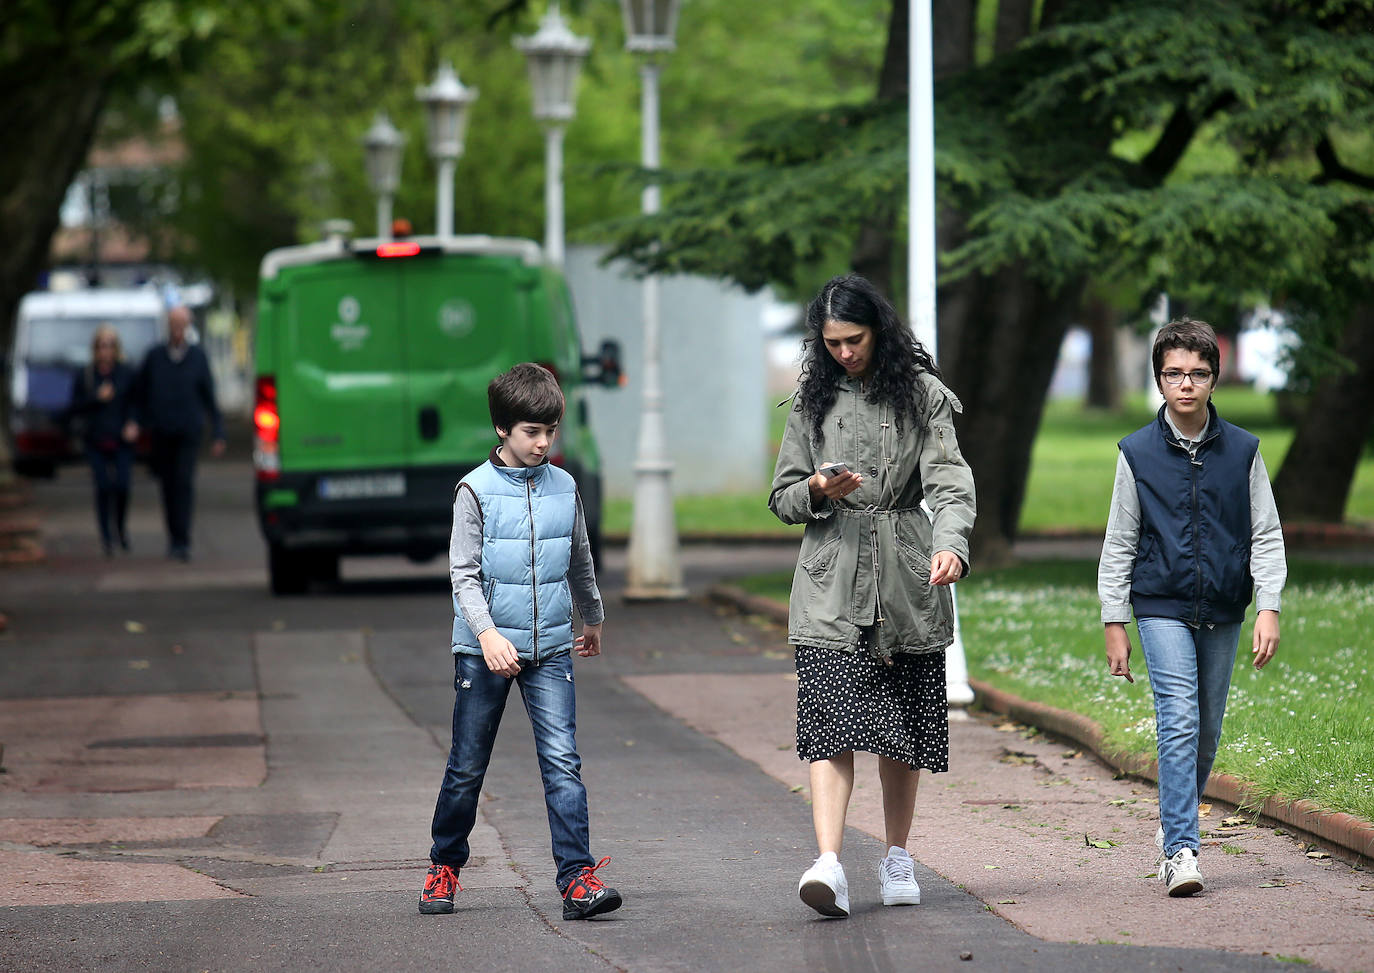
{"x": 897, "y": 878}
{"x": 1159, "y": 843}
{"x": 1180, "y": 873}
{"x": 824, "y": 888}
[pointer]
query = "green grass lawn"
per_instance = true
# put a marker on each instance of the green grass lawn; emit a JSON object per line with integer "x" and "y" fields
{"x": 1301, "y": 728}
{"x": 1072, "y": 464}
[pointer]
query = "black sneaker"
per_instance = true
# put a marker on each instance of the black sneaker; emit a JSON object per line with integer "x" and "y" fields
{"x": 441, "y": 881}
{"x": 588, "y": 896}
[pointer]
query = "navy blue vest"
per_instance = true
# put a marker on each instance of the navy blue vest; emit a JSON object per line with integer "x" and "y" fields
{"x": 1193, "y": 557}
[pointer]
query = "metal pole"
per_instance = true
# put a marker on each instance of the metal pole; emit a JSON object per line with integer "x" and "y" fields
{"x": 921, "y": 256}
{"x": 653, "y": 571}
{"x": 443, "y": 206}
{"x": 553, "y": 193}
{"x": 384, "y": 216}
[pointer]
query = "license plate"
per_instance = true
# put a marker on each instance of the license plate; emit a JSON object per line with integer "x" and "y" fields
{"x": 366, "y": 487}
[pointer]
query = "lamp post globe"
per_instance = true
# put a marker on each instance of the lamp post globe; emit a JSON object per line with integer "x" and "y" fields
{"x": 554, "y": 55}
{"x": 382, "y": 147}
{"x": 653, "y": 569}
{"x": 446, "y": 102}
{"x": 650, "y": 25}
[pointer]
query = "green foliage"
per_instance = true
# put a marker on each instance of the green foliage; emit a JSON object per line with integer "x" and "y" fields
{"x": 1211, "y": 148}
{"x": 773, "y": 226}
{"x": 274, "y": 119}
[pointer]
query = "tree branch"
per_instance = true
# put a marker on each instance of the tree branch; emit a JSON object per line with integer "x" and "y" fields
{"x": 1177, "y": 136}
{"x": 1333, "y": 171}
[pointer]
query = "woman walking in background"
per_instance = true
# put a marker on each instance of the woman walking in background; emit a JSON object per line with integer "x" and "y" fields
{"x": 870, "y": 435}
{"x": 102, "y": 400}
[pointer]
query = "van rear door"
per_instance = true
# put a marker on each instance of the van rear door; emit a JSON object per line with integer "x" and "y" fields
{"x": 465, "y": 317}
{"x": 342, "y": 368}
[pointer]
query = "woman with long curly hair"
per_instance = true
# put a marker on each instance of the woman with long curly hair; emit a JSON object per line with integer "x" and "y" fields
{"x": 870, "y": 435}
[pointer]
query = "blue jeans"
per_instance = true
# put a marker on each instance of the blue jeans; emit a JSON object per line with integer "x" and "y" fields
{"x": 110, "y": 471}
{"x": 480, "y": 698}
{"x": 1190, "y": 675}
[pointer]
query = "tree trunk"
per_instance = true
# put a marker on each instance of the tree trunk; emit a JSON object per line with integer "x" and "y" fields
{"x": 1313, "y": 484}
{"x": 999, "y": 340}
{"x": 1104, "y": 388}
{"x": 953, "y": 25}
{"x": 57, "y": 117}
{"x": 1013, "y": 23}
{"x": 875, "y": 246}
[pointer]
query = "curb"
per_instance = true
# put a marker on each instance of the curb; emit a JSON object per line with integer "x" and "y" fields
{"x": 1353, "y": 836}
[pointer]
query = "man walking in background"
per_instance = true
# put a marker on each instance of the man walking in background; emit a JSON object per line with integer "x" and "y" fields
{"x": 174, "y": 393}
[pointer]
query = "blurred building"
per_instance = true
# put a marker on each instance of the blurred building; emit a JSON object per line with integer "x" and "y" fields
{"x": 715, "y": 376}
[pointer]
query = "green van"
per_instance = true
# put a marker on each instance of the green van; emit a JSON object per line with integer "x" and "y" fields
{"x": 373, "y": 359}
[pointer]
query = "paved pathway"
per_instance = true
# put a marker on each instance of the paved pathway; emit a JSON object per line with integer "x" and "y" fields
{"x": 201, "y": 777}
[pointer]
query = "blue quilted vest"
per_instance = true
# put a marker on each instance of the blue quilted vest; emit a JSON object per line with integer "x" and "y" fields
{"x": 527, "y": 526}
{"x": 1193, "y": 559}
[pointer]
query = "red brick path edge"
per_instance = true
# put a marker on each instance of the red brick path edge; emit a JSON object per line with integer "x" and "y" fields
{"x": 1352, "y": 837}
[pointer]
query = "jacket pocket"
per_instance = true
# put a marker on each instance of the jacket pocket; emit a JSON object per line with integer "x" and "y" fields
{"x": 818, "y": 565}
{"x": 488, "y": 586}
{"x": 915, "y": 560}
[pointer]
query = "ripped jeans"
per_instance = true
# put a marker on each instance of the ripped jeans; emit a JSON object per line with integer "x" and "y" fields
{"x": 480, "y": 698}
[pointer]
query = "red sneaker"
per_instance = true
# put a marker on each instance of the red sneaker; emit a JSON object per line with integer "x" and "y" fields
{"x": 441, "y": 881}
{"x": 588, "y": 896}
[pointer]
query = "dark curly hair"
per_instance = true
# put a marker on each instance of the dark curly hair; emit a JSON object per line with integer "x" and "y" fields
{"x": 897, "y": 359}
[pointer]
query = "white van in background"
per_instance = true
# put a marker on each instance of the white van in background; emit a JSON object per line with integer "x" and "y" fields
{"x": 52, "y": 343}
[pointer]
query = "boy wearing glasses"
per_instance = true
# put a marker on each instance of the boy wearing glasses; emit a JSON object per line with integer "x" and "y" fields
{"x": 1192, "y": 532}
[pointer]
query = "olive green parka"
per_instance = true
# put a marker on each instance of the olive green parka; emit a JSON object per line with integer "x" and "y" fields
{"x": 865, "y": 559}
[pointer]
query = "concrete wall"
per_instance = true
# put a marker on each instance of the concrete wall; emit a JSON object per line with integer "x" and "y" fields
{"x": 713, "y": 376}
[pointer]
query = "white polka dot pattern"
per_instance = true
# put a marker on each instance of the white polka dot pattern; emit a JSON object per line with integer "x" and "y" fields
{"x": 854, "y": 701}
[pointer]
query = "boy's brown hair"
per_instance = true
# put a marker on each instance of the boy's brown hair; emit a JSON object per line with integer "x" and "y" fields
{"x": 526, "y": 393}
{"x": 1189, "y": 335}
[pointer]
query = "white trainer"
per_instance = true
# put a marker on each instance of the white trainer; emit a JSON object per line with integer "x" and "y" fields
{"x": 1180, "y": 873}
{"x": 823, "y": 887}
{"x": 897, "y": 878}
{"x": 1159, "y": 844}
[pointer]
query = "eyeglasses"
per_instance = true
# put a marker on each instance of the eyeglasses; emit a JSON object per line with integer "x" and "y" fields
{"x": 1175, "y": 376}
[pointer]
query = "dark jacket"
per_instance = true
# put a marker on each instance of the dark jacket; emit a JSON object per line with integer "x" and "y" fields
{"x": 174, "y": 397}
{"x": 102, "y": 423}
{"x": 1193, "y": 560}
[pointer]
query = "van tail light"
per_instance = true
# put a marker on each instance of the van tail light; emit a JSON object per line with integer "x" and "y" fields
{"x": 266, "y": 430}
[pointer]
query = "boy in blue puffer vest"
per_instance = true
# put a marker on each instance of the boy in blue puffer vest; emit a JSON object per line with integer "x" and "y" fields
{"x": 1192, "y": 532}
{"x": 519, "y": 559}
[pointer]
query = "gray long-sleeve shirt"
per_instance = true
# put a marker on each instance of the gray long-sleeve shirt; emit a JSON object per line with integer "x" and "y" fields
{"x": 465, "y": 566}
{"x": 1267, "y": 563}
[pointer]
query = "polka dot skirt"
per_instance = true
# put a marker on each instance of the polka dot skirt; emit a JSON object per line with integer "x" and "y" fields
{"x": 854, "y": 701}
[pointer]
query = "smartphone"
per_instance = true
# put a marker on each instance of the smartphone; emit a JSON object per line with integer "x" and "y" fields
{"x": 833, "y": 470}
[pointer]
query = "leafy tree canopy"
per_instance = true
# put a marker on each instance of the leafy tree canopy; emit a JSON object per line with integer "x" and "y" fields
{"x": 1214, "y": 148}
{"x": 275, "y": 117}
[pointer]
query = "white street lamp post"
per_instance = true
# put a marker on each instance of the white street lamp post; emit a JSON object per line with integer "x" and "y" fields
{"x": 654, "y": 570}
{"x": 383, "y": 145}
{"x": 921, "y": 255}
{"x": 446, "y": 103}
{"x": 555, "y": 58}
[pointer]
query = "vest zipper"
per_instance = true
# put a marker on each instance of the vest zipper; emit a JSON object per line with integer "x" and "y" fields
{"x": 534, "y": 576}
{"x": 1193, "y": 466}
